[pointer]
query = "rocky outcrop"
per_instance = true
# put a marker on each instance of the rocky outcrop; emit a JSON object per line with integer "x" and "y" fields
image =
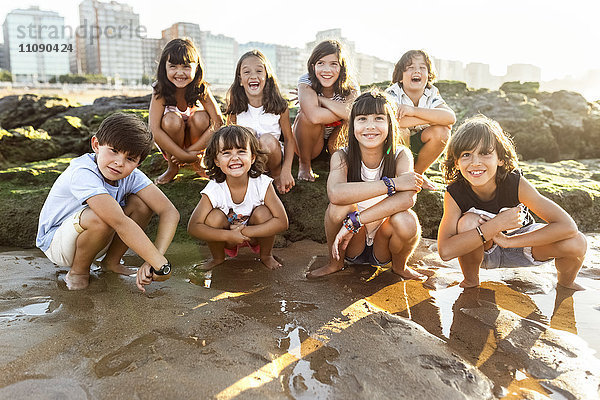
{"x": 26, "y": 144}
{"x": 31, "y": 109}
{"x": 549, "y": 126}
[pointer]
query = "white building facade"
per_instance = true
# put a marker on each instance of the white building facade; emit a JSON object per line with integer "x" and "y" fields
{"x": 36, "y": 46}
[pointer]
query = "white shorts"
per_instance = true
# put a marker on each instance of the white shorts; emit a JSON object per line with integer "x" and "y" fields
{"x": 64, "y": 242}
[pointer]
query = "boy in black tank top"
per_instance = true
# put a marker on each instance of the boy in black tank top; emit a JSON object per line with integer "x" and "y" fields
{"x": 486, "y": 221}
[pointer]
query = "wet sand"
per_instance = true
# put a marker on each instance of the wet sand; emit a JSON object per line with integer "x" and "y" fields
{"x": 242, "y": 331}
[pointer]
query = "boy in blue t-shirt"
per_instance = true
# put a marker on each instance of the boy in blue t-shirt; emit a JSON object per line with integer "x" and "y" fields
{"x": 100, "y": 205}
{"x": 421, "y": 108}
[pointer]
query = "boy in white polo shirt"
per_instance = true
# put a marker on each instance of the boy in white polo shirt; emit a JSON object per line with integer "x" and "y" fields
{"x": 101, "y": 203}
{"x": 421, "y": 108}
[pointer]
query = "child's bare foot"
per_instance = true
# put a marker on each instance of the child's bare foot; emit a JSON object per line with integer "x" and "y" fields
{"x": 408, "y": 273}
{"x": 573, "y": 286}
{"x": 465, "y": 284}
{"x": 77, "y": 281}
{"x": 208, "y": 264}
{"x": 327, "y": 269}
{"x": 270, "y": 262}
{"x": 118, "y": 268}
{"x": 167, "y": 176}
{"x": 306, "y": 174}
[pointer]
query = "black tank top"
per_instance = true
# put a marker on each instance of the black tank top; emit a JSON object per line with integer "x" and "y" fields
{"x": 506, "y": 196}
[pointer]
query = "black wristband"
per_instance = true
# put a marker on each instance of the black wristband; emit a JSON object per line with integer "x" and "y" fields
{"x": 164, "y": 270}
{"x": 480, "y": 234}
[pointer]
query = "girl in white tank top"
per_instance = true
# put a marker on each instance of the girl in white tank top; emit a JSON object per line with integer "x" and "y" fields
{"x": 254, "y": 101}
{"x": 371, "y": 188}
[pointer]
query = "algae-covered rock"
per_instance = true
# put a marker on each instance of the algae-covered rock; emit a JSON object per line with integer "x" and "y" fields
{"x": 527, "y": 88}
{"x": 25, "y": 145}
{"x": 452, "y": 88}
{"x": 574, "y": 185}
{"x": 31, "y": 109}
{"x": 70, "y": 133}
{"x": 429, "y": 208}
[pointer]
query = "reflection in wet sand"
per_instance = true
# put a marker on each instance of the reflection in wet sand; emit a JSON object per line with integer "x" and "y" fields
{"x": 496, "y": 327}
{"x": 311, "y": 377}
{"x": 38, "y": 306}
{"x": 483, "y": 331}
{"x": 531, "y": 344}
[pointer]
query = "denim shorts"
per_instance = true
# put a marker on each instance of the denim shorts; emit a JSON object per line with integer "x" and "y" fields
{"x": 366, "y": 257}
{"x": 499, "y": 257}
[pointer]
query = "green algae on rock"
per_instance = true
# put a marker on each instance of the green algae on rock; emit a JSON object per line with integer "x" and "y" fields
{"x": 574, "y": 185}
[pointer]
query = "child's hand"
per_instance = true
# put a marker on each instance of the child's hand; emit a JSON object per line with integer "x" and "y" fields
{"x": 408, "y": 181}
{"x": 502, "y": 240}
{"x": 404, "y": 111}
{"x": 341, "y": 241}
{"x": 236, "y": 236}
{"x": 143, "y": 277}
{"x": 510, "y": 219}
{"x": 284, "y": 182}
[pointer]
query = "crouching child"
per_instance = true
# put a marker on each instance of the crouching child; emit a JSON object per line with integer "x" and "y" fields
{"x": 101, "y": 204}
{"x": 486, "y": 221}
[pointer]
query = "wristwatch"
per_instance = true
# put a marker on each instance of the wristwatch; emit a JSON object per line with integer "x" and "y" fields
{"x": 164, "y": 270}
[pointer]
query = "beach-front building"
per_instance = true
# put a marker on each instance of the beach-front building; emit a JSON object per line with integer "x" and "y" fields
{"x": 24, "y": 32}
{"x": 109, "y": 41}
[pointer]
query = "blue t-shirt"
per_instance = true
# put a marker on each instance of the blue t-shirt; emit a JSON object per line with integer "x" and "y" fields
{"x": 69, "y": 194}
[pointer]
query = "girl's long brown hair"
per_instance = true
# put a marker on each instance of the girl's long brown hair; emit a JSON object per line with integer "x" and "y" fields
{"x": 180, "y": 51}
{"x": 372, "y": 102}
{"x": 272, "y": 100}
{"x": 343, "y": 85}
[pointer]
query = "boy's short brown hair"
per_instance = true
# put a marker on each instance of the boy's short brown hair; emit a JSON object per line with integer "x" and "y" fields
{"x": 126, "y": 133}
{"x": 406, "y": 60}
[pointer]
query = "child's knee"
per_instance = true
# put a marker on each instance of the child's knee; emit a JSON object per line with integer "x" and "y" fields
{"x": 467, "y": 222}
{"x": 260, "y": 214}
{"x": 437, "y": 133}
{"x": 337, "y": 213}
{"x": 200, "y": 120}
{"x": 405, "y": 224}
{"x": 172, "y": 122}
{"x": 269, "y": 143}
{"x": 216, "y": 219}
{"x": 576, "y": 246}
{"x": 90, "y": 221}
{"x": 135, "y": 205}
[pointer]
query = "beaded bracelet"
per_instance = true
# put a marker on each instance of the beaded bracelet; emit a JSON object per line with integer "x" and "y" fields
{"x": 352, "y": 222}
{"x": 391, "y": 187}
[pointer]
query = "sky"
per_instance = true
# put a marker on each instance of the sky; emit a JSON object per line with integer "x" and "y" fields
{"x": 562, "y": 38}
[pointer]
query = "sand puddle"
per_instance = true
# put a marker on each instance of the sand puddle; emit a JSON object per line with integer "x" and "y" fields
{"x": 523, "y": 342}
{"x": 38, "y": 306}
{"x": 312, "y": 375}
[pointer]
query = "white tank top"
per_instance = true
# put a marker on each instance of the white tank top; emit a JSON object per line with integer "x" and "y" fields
{"x": 261, "y": 122}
